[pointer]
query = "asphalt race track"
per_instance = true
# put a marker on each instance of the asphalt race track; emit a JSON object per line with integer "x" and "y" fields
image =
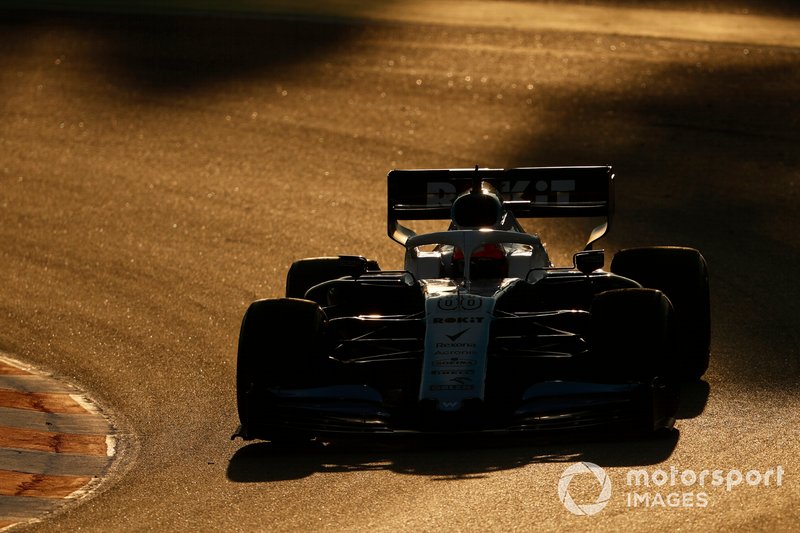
{"x": 159, "y": 172}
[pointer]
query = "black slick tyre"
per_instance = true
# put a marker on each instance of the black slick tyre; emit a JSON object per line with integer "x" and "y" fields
{"x": 280, "y": 345}
{"x": 681, "y": 274}
{"x": 307, "y": 273}
{"x": 631, "y": 334}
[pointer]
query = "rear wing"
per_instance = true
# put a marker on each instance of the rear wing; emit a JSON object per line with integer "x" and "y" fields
{"x": 536, "y": 192}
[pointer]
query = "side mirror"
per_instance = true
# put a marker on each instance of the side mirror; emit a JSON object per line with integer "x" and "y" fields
{"x": 589, "y": 261}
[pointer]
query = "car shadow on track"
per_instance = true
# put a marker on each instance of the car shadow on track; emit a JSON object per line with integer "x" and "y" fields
{"x": 458, "y": 457}
{"x": 439, "y": 459}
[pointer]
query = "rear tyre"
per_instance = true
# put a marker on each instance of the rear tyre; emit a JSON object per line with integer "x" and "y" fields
{"x": 681, "y": 274}
{"x": 307, "y": 273}
{"x": 280, "y": 344}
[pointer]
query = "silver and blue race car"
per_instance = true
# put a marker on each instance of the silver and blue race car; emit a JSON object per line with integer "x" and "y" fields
{"x": 479, "y": 332}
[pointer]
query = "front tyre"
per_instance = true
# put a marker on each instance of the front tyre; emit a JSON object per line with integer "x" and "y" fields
{"x": 632, "y": 334}
{"x": 280, "y": 345}
{"x": 681, "y": 274}
{"x": 632, "y": 338}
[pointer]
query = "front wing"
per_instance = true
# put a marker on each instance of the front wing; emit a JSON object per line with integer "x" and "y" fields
{"x": 545, "y": 407}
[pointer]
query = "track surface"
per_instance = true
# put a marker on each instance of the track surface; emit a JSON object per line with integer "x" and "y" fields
{"x": 159, "y": 173}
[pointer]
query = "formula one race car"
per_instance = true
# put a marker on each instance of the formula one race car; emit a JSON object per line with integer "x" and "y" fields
{"x": 479, "y": 332}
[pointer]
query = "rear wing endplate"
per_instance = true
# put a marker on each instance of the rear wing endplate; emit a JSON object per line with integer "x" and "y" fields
{"x": 534, "y": 192}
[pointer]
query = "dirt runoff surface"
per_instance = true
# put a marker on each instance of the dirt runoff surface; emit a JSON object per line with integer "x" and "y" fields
{"x": 157, "y": 173}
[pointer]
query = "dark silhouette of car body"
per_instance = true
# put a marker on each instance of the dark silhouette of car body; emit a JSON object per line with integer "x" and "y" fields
{"x": 479, "y": 332}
